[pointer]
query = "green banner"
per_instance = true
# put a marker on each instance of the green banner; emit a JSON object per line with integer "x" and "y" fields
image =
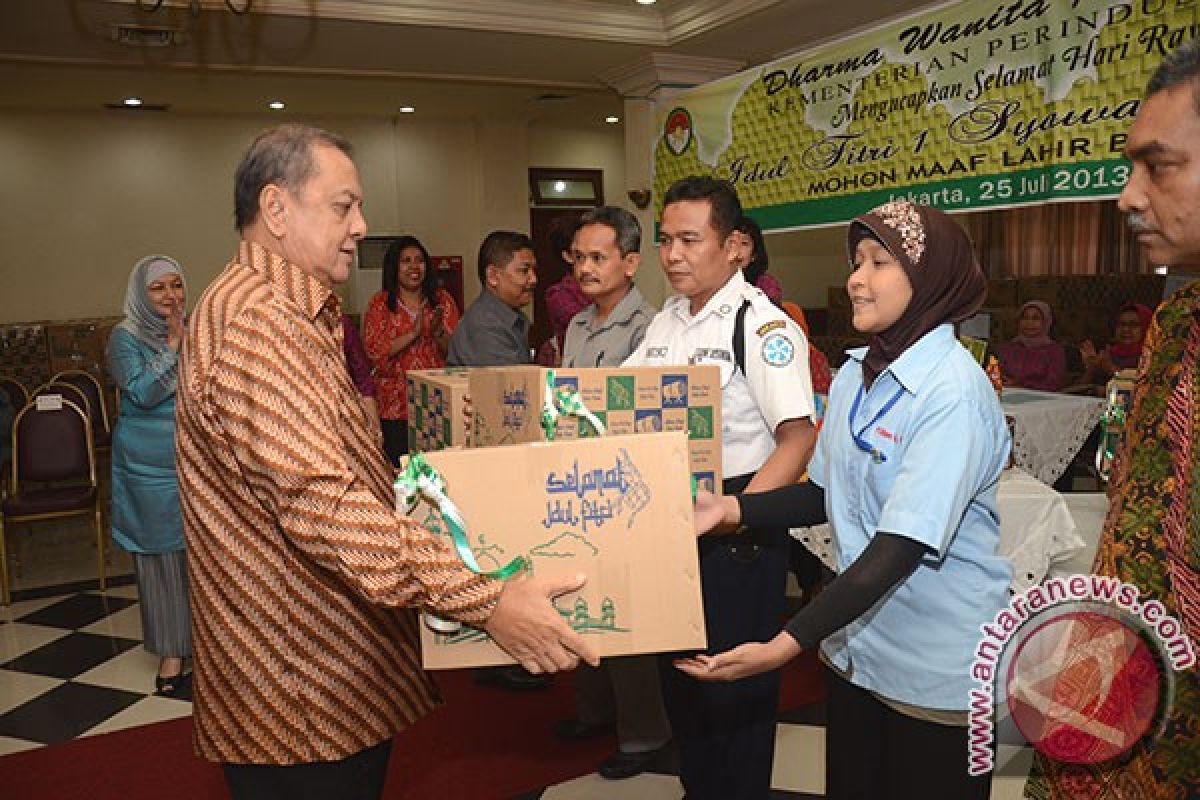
{"x": 983, "y": 104}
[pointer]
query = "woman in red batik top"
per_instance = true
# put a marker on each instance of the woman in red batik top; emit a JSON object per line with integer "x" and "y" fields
{"x": 407, "y": 326}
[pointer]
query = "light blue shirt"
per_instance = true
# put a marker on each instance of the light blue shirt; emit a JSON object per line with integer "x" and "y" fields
{"x": 944, "y": 444}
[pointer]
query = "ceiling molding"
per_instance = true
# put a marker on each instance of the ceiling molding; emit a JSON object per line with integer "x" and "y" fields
{"x": 693, "y": 19}
{"x": 645, "y": 76}
{"x": 315, "y": 72}
{"x": 571, "y": 19}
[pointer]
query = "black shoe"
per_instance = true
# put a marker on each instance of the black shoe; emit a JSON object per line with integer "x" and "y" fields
{"x": 621, "y": 765}
{"x": 514, "y": 679}
{"x": 170, "y": 685}
{"x": 575, "y": 730}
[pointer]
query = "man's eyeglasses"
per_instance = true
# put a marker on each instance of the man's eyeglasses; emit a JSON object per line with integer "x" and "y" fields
{"x": 578, "y": 259}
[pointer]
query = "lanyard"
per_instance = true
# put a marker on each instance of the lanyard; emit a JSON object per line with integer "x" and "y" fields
{"x": 876, "y": 456}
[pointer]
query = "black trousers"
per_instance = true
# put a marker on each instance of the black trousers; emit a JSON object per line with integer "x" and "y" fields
{"x": 395, "y": 439}
{"x": 872, "y": 750}
{"x": 726, "y": 731}
{"x": 357, "y": 777}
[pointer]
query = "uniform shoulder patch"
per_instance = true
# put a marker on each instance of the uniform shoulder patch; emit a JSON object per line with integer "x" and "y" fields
{"x": 778, "y": 350}
{"x": 773, "y": 325}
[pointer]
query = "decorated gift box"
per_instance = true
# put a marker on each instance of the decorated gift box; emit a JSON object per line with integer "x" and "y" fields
{"x": 436, "y": 398}
{"x": 512, "y": 405}
{"x": 617, "y": 509}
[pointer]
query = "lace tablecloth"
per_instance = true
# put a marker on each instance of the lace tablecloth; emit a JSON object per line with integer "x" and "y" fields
{"x": 1049, "y": 429}
{"x": 1037, "y": 530}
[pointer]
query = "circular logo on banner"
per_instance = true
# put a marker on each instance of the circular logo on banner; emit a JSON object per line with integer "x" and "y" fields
{"x": 1084, "y": 687}
{"x": 778, "y": 350}
{"x": 678, "y": 131}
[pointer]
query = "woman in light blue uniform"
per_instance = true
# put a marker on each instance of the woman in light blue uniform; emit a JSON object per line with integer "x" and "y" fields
{"x": 906, "y": 471}
{"x": 143, "y": 352}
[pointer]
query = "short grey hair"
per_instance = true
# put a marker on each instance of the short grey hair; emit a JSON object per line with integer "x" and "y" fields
{"x": 1180, "y": 66}
{"x": 623, "y": 223}
{"x": 282, "y": 156}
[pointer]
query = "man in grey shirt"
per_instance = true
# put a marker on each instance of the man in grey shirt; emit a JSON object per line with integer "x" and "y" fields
{"x": 605, "y": 254}
{"x": 494, "y": 332}
{"x": 625, "y": 691}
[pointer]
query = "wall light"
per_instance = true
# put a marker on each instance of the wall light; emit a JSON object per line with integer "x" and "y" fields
{"x": 277, "y": 105}
{"x": 646, "y": 2}
{"x": 639, "y": 197}
{"x": 132, "y": 102}
{"x": 560, "y": 186}
{"x": 612, "y": 119}
{"x": 407, "y": 109}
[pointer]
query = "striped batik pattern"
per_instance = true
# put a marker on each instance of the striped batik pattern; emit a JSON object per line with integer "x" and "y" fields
{"x": 303, "y": 577}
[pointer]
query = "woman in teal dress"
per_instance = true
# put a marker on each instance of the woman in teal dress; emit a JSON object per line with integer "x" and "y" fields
{"x": 143, "y": 353}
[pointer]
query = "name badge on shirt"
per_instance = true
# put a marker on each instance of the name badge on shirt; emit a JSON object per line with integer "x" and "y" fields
{"x": 703, "y": 354}
{"x": 656, "y": 352}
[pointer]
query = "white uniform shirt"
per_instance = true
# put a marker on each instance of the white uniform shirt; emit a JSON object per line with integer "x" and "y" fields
{"x": 776, "y": 386}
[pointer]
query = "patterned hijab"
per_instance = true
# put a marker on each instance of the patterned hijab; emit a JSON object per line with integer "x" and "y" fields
{"x": 937, "y": 256}
{"x": 141, "y": 319}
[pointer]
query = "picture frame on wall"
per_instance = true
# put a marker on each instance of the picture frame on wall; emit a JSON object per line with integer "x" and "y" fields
{"x": 371, "y": 250}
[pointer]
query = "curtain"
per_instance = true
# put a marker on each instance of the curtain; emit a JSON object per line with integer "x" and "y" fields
{"x": 1088, "y": 238}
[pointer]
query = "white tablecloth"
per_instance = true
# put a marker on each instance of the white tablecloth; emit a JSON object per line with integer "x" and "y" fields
{"x": 1049, "y": 429}
{"x": 1037, "y": 530}
{"x": 1089, "y": 510}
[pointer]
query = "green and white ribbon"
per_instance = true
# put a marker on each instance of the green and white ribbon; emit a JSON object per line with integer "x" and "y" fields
{"x": 1112, "y": 425}
{"x": 417, "y": 479}
{"x": 561, "y": 401}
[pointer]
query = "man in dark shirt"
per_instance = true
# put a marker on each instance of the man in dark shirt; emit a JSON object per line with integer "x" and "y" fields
{"x": 494, "y": 332}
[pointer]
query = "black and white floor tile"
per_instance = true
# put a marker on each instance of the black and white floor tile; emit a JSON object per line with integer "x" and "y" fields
{"x": 72, "y": 665}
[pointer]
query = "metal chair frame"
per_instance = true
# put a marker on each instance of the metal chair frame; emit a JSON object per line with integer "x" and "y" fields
{"x": 104, "y": 417}
{"x": 68, "y": 391}
{"x": 5, "y": 382}
{"x": 5, "y": 520}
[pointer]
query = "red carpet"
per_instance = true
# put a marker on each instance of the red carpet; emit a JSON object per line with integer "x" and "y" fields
{"x": 483, "y": 744}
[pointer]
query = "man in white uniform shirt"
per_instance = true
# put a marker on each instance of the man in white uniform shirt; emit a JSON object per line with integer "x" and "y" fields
{"x": 726, "y": 732}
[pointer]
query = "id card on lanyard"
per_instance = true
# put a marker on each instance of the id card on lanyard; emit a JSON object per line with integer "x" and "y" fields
{"x": 860, "y": 441}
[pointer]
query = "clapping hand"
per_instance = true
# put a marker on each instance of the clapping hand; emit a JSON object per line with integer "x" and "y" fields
{"x": 437, "y": 322}
{"x": 1087, "y": 351}
{"x": 751, "y": 658}
{"x": 175, "y": 327}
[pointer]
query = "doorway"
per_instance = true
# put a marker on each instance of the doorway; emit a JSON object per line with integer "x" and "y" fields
{"x": 558, "y": 197}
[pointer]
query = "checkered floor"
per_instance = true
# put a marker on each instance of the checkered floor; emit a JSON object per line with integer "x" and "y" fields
{"x": 72, "y": 665}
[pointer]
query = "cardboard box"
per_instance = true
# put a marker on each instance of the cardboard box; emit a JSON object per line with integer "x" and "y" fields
{"x": 616, "y": 508}
{"x": 435, "y": 408}
{"x": 508, "y": 405}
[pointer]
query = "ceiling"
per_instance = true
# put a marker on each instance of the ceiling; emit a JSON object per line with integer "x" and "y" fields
{"x": 443, "y": 56}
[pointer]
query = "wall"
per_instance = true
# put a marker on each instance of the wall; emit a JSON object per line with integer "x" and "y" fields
{"x": 808, "y": 262}
{"x": 88, "y": 193}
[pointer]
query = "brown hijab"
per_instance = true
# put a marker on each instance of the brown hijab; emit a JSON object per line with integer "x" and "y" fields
{"x": 938, "y": 258}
